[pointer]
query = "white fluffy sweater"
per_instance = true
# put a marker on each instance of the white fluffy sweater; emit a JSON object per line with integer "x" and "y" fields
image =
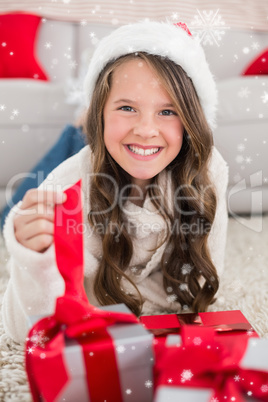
{"x": 35, "y": 282}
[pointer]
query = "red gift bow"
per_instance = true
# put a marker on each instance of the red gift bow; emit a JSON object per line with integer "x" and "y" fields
{"x": 204, "y": 362}
{"x": 74, "y": 318}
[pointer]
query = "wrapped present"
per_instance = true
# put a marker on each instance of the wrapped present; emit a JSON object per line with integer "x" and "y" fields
{"x": 212, "y": 370}
{"x": 221, "y": 321}
{"x": 228, "y": 324}
{"x": 83, "y": 353}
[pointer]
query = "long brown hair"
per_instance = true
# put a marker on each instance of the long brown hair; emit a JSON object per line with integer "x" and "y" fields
{"x": 188, "y": 271}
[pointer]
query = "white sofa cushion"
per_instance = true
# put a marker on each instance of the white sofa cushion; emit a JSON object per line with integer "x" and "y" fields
{"x": 57, "y": 49}
{"x": 243, "y": 99}
{"x": 34, "y": 115}
{"x": 37, "y": 102}
{"x": 242, "y": 138}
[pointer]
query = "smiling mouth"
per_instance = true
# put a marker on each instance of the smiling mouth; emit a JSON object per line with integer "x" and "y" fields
{"x": 143, "y": 152}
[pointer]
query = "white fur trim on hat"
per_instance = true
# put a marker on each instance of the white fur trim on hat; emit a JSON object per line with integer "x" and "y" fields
{"x": 163, "y": 39}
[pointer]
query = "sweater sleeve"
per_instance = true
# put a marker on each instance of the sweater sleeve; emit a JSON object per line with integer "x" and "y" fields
{"x": 35, "y": 281}
{"x": 33, "y": 286}
{"x": 218, "y": 171}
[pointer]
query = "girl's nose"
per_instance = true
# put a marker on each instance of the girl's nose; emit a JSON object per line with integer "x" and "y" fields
{"x": 146, "y": 127}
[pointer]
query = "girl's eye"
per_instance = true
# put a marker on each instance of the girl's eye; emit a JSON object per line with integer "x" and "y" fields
{"x": 126, "y": 109}
{"x": 168, "y": 112}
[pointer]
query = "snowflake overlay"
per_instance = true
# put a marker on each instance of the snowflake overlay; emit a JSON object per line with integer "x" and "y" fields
{"x": 121, "y": 349}
{"x": 265, "y": 97}
{"x": 171, "y": 298}
{"x": 244, "y": 92}
{"x": 197, "y": 341}
{"x": 208, "y": 27}
{"x": 148, "y": 384}
{"x": 38, "y": 338}
{"x": 264, "y": 388}
{"x": 186, "y": 375}
{"x": 186, "y": 269}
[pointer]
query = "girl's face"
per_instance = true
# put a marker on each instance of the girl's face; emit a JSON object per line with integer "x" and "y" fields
{"x": 142, "y": 131}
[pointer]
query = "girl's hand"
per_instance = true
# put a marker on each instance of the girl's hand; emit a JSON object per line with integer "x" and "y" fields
{"x": 34, "y": 225}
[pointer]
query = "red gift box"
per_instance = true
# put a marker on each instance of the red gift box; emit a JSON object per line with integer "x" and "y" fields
{"x": 232, "y": 321}
{"x": 212, "y": 369}
{"x": 230, "y": 324}
{"x": 83, "y": 353}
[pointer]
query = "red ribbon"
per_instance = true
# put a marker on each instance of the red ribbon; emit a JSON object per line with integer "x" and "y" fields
{"x": 74, "y": 318}
{"x": 204, "y": 362}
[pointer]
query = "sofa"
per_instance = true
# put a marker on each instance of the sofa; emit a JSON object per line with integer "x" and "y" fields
{"x": 34, "y": 112}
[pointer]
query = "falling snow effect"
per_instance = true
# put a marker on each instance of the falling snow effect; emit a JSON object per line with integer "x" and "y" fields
{"x": 248, "y": 159}
{"x": 255, "y": 46}
{"x": 208, "y": 27}
{"x": 14, "y": 113}
{"x": 48, "y": 45}
{"x": 38, "y": 339}
{"x": 30, "y": 350}
{"x": 197, "y": 341}
{"x": 244, "y": 92}
{"x": 121, "y": 349}
{"x": 72, "y": 63}
{"x": 148, "y": 384}
{"x": 74, "y": 90}
{"x": 186, "y": 375}
{"x": 171, "y": 298}
{"x": 186, "y": 269}
{"x": 264, "y": 388}
{"x": 265, "y": 97}
{"x": 134, "y": 270}
{"x": 183, "y": 287}
{"x": 241, "y": 147}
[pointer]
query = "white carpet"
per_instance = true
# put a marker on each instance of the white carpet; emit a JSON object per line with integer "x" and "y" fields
{"x": 244, "y": 286}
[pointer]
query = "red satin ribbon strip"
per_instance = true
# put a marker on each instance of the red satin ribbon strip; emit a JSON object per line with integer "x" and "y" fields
{"x": 75, "y": 318}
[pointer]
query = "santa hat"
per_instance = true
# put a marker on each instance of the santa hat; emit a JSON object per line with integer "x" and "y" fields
{"x": 159, "y": 38}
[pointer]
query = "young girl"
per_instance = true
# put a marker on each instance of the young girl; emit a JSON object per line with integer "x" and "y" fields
{"x": 153, "y": 186}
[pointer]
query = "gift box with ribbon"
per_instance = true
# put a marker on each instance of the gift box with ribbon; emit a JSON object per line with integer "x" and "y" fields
{"x": 228, "y": 322}
{"x": 229, "y": 325}
{"x": 206, "y": 368}
{"x": 83, "y": 353}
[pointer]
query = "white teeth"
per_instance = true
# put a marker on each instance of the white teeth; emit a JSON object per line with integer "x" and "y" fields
{"x": 141, "y": 151}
